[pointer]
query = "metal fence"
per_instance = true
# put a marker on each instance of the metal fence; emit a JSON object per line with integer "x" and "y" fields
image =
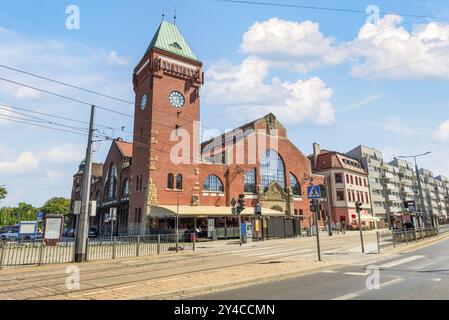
{"x": 23, "y": 253}
{"x": 396, "y": 238}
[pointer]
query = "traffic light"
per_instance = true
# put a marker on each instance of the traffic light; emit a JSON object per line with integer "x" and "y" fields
{"x": 241, "y": 204}
{"x": 358, "y": 206}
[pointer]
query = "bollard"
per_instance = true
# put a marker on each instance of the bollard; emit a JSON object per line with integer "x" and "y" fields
{"x": 114, "y": 248}
{"x": 2, "y": 245}
{"x": 194, "y": 241}
{"x": 41, "y": 249}
{"x": 378, "y": 242}
{"x": 137, "y": 246}
{"x": 394, "y": 239}
{"x": 158, "y": 244}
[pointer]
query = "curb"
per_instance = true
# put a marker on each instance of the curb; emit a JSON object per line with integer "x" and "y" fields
{"x": 229, "y": 286}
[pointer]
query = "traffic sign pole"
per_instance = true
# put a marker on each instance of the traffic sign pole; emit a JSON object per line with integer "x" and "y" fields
{"x": 316, "y": 202}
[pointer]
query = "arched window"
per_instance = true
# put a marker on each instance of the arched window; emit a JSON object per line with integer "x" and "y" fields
{"x": 296, "y": 187}
{"x": 250, "y": 181}
{"x": 125, "y": 190}
{"x": 213, "y": 183}
{"x": 112, "y": 182}
{"x": 272, "y": 169}
{"x": 179, "y": 182}
{"x": 171, "y": 181}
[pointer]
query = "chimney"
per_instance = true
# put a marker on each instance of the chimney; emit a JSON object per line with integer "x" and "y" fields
{"x": 316, "y": 153}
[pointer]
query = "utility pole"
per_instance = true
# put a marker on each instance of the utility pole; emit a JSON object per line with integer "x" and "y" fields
{"x": 317, "y": 212}
{"x": 328, "y": 205}
{"x": 177, "y": 222}
{"x": 82, "y": 231}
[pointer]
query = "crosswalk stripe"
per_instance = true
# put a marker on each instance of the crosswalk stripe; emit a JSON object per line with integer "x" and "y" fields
{"x": 401, "y": 261}
{"x": 362, "y": 274}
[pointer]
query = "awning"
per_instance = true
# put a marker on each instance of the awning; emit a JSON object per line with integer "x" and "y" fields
{"x": 205, "y": 211}
{"x": 367, "y": 217}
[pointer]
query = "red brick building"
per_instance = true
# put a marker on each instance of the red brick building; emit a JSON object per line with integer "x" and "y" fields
{"x": 171, "y": 174}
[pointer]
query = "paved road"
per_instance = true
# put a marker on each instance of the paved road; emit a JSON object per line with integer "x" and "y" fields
{"x": 421, "y": 274}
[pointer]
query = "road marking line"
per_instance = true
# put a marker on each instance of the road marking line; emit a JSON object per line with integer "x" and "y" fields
{"x": 359, "y": 293}
{"x": 329, "y": 271}
{"x": 348, "y": 296}
{"x": 401, "y": 261}
{"x": 436, "y": 279}
{"x": 364, "y": 274}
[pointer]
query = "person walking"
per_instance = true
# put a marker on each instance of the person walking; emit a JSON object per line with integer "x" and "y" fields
{"x": 343, "y": 227}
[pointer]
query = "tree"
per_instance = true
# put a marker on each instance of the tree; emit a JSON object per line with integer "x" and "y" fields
{"x": 59, "y": 206}
{"x": 3, "y": 192}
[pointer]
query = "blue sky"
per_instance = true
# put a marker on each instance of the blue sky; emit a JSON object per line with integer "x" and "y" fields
{"x": 305, "y": 76}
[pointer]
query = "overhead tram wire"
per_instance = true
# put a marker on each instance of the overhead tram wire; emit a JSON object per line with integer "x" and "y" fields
{"x": 82, "y": 89}
{"x": 63, "y": 118}
{"x": 42, "y": 126}
{"x": 341, "y": 10}
{"x": 375, "y": 72}
{"x": 63, "y": 83}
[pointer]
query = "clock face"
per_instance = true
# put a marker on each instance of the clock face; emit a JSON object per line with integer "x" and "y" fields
{"x": 143, "y": 102}
{"x": 177, "y": 99}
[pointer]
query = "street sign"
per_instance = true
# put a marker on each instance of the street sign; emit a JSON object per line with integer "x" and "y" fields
{"x": 40, "y": 216}
{"x": 107, "y": 217}
{"x": 113, "y": 214}
{"x": 28, "y": 228}
{"x": 314, "y": 192}
{"x": 77, "y": 208}
{"x": 92, "y": 208}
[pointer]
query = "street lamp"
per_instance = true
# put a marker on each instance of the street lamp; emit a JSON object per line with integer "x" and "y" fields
{"x": 421, "y": 194}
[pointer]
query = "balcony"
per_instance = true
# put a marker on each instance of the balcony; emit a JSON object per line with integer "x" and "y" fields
{"x": 390, "y": 186}
{"x": 388, "y": 175}
{"x": 391, "y": 197}
{"x": 407, "y": 190}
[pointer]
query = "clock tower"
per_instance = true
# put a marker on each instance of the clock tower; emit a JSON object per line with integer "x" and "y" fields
{"x": 167, "y": 84}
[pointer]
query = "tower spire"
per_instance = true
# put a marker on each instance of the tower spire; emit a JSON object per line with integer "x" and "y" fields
{"x": 174, "y": 17}
{"x": 163, "y": 16}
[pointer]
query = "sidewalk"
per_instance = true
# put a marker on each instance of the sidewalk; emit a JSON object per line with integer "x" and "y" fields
{"x": 213, "y": 266}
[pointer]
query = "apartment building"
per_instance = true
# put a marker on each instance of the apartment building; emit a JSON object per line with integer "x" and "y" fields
{"x": 428, "y": 184}
{"x": 442, "y": 190}
{"x": 372, "y": 160}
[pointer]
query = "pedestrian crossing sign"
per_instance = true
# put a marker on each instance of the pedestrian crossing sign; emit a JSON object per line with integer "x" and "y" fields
{"x": 314, "y": 192}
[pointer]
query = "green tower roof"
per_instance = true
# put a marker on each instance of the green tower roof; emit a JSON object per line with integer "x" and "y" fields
{"x": 169, "y": 38}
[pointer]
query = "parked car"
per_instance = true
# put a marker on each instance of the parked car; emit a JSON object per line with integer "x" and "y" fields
{"x": 9, "y": 236}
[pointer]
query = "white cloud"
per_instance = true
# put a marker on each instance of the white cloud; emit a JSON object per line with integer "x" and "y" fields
{"x": 26, "y": 162}
{"x": 66, "y": 153}
{"x": 302, "y": 47}
{"x": 114, "y": 59}
{"x": 297, "y": 46}
{"x": 442, "y": 134}
{"x": 397, "y": 126}
{"x": 244, "y": 87}
{"x": 388, "y": 44}
{"x": 24, "y": 93}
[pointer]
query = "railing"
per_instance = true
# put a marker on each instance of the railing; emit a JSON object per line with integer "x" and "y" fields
{"x": 23, "y": 253}
{"x": 399, "y": 237}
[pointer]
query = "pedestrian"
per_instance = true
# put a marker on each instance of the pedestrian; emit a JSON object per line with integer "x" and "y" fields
{"x": 343, "y": 227}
